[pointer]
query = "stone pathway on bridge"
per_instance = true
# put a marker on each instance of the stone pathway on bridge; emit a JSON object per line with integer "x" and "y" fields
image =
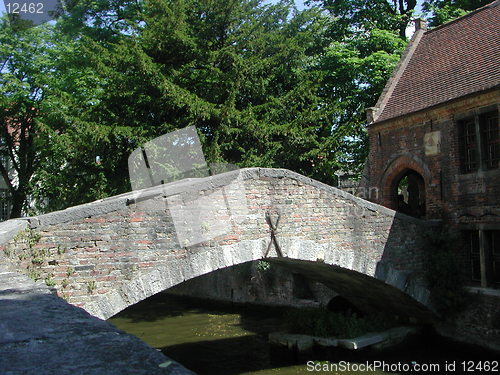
{"x": 42, "y": 334}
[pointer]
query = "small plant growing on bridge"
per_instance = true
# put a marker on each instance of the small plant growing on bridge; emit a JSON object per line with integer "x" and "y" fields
{"x": 262, "y": 265}
{"x": 64, "y": 296}
{"x": 26, "y": 241}
{"x": 70, "y": 271}
{"x": 205, "y": 227}
{"x": 28, "y": 236}
{"x": 91, "y": 286}
{"x": 49, "y": 280}
{"x": 61, "y": 250}
{"x": 33, "y": 274}
{"x": 37, "y": 256}
{"x": 65, "y": 283}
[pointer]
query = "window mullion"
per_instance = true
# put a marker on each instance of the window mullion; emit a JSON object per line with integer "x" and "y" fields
{"x": 479, "y": 154}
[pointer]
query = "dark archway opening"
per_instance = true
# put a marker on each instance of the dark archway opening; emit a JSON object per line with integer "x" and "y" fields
{"x": 232, "y": 338}
{"x": 410, "y": 193}
{"x": 342, "y": 305}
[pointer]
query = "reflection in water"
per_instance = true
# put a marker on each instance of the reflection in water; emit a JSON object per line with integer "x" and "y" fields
{"x": 218, "y": 339}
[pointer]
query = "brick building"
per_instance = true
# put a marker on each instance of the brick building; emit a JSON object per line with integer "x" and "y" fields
{"x": 434, "y": 136}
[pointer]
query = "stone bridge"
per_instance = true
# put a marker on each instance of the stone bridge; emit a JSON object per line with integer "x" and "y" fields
{"x": 107, "y": 255}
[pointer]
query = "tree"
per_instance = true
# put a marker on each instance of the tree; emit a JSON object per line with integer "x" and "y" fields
{"x": 242, "y": 72}
{"x": 50, "y": 138}
{"x": 393, "y": 15}
{"x": 366, "y": 42}
{"x": 362, "y": 15}
{"x": 442, "y": 11}
{"x": 357, "y": 69}
{"x": 25, "y": 60}
{"x": 254, "y": 79}
{"x": 367, "y": 39}
{"x": 265, "y": 85}
{"x": 81, "y": 159}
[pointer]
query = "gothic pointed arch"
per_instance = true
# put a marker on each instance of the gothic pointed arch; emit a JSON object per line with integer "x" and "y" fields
{"x": 417, "y": 176}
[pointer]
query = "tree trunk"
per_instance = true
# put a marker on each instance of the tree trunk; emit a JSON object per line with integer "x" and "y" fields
{"x": 18, "y": 200}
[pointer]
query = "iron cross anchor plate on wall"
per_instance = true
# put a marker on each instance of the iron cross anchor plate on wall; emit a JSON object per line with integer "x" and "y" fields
{"x": 274, "y": 231}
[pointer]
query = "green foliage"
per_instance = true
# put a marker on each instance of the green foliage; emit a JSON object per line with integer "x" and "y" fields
{"x": 356, "y": 70}
{"x": 444, "y": 273}
{"x": 91, "y": 286}
{"x": 49, "y": 280}
{"x": 242, "y": 72}
{"x": 52, "y": 140}
{"x": 37, "y": 256}
{"x": 61, "y": 250}
{"x": 24, "y": 63}
{"x": 370, "y": 14}
{"x": 70, "y": 271}
{"x": 265, "y": 85}
{"x": 444, "y": 14}
{"x": 34, "y": 274}
{"x": 254, "y": 79}
{"x": 325, "y": 323}
{"x": 442, "y": 11}
{"x": 65, "y": 283}
{"x": 28, "y": 236}
{"x": 262, "y": 265}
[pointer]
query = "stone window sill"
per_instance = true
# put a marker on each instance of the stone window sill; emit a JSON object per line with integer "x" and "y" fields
{"x": 486, "y": 291}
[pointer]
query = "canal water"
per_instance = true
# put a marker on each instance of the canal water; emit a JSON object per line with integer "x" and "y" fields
{"x": 220, "y": 339}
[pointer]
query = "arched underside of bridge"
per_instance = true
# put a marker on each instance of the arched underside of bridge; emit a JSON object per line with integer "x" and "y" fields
{"x": 110, "y": 254}
{"x": 368, "y": 293}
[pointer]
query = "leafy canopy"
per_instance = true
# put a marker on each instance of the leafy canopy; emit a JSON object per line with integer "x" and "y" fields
{"x": 264, "y": 84}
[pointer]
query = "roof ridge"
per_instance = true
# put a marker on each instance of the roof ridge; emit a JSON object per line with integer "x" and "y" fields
{"x": 471, "y": 13}
{"x": 397, "y": 72}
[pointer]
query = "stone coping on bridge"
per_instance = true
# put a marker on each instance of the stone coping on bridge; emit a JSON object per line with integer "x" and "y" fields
{"x": 9, "y": 229}
{"x": 42, "y": 334}
{"x": 118, "y": 202}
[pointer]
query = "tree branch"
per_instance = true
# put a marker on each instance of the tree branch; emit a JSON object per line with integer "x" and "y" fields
{"x": 10, "y": 145}
{"x": 5, "y": 175}
{"x": 401, "y": 7}
{"x": 5, "y": 63}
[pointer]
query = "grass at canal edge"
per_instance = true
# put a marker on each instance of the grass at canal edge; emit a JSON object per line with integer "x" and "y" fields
{"x": 324, "y": 323}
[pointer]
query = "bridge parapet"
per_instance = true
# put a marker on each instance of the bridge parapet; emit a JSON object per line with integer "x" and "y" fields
{"x": 112, "y": 253}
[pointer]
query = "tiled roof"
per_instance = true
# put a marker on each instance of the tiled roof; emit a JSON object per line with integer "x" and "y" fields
{"x": 448, "y": 62}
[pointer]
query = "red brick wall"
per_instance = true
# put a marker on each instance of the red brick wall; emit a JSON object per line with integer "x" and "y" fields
{"x": 399, "y": 144}
{"x": 461, "y": 201}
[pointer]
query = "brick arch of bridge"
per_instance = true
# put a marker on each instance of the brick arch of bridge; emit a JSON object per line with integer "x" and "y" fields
{"x": 107, "y": 255}
{"x": 388, "y": 291}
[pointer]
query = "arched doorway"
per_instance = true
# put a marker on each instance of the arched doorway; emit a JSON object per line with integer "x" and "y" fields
{"x": 409, "y": 189}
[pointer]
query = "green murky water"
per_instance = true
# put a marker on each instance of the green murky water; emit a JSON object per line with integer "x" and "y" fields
{"x": 218, "y": 339}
